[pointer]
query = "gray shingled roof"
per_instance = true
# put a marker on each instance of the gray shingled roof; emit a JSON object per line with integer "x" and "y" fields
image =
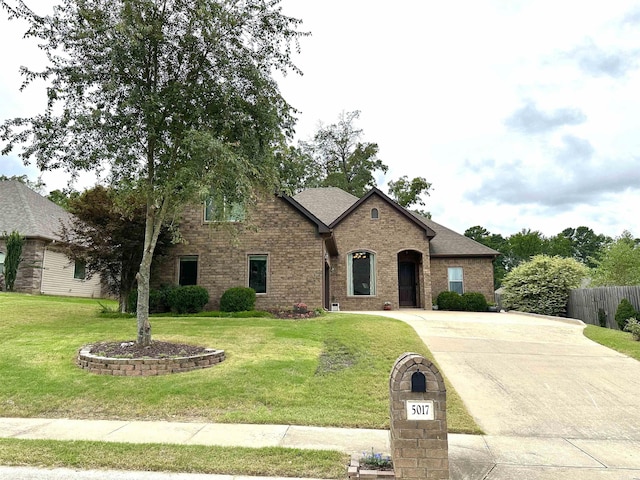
{"x": 326, "y": 203}
{"x": 329, "y": 203}
{"x": 448, "y": 243}
{"x": 29, "y": 213}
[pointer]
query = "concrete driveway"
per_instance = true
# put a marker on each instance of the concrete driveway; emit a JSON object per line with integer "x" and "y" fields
{"x": 532, "y": 376}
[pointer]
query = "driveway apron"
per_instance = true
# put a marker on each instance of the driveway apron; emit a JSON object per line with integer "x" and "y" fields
{"x": 533, "y": 376}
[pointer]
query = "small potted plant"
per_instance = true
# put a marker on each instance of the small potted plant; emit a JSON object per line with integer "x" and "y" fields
{"x": 386, "y": 306}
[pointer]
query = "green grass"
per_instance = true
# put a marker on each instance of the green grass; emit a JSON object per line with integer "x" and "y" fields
{"x": 331, "y": 370}
{"x": 272, "y": 461}
{"x": 622, "y": 342}
{"x": 328, "y": 371}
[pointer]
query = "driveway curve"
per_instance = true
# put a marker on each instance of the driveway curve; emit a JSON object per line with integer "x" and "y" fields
{"x": 533, "y": 376}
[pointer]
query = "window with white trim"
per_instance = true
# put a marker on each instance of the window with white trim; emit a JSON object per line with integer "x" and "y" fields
{"x": 2, "y": 256}
{"x": 361, "y": 273}
{"x": 258, "y": 273}
{"x": 456, "y": 280}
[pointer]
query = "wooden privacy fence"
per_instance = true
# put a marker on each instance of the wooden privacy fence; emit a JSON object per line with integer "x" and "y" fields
{"x": 584, "y": 303}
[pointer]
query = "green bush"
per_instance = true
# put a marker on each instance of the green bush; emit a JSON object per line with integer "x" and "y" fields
{"x": 633, "y": 326}
{"x": 14, "y": 242}
{"x": 188, "y": 299}
{"x": 158, "y": 299}
{"x": 474, "y": 302}
{"x": 238, "y": 299}
{"x": 624, "y": 312}
{"x": 450, "y": 301}
{"x": 542, "y": 285}
{"x": 602, "y": 318}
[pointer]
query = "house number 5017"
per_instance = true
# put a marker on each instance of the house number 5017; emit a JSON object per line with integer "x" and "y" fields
{"x": 420, "y": 410}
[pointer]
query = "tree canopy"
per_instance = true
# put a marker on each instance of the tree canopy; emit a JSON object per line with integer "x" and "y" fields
{"x": 338, "y": 157}
{"x": 107, "y": 232}
{"x": 172, "y": 98}
{"x": 619, "y": 264}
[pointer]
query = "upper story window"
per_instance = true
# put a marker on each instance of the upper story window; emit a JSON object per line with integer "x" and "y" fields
{"x": 361, "y": 273}
{"x": 456, "y": 280}
{"x": 219, "y": 209}
{"x": 375, "y": 214}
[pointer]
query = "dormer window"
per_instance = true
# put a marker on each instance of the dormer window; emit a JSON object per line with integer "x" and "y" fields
{"x": 375, "y": 214}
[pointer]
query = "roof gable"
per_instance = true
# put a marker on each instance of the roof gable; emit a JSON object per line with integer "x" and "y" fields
{"x": 332, "y": 205}
{"x": 29, "y": 213}
{"x": 326, "y": 203}
{"x": 401, "y": 210}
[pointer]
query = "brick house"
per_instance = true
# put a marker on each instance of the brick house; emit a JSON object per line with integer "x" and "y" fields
{"x": 45, "y": 268}
{"x": 324, "y": 247}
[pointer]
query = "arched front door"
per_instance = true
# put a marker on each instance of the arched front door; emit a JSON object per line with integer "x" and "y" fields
{"x": 408, "y": 278}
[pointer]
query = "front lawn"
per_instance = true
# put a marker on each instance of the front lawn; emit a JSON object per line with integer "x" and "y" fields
{"x": 622, "y": 342}
{"x": 327, "y": 371}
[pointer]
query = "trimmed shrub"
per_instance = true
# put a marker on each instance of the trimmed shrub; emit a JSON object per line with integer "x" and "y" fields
{"x": 450, "y": 301}
{"x": 624, "y": 312}
{"x": 542, "y": 285}
{"x": 238, "y": 299}
{"x": 188, "y": 299}
{"x": 158, "y": 299}
{"x": 474, "y": 302}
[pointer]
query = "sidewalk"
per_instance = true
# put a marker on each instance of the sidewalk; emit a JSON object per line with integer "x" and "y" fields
{"x": 471, "y": 457}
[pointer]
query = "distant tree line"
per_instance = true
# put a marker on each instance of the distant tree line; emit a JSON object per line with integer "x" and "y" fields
{"x": 609, "y": 261}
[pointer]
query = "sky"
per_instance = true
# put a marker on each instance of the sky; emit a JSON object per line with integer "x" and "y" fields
{"x": 523, "y": 114}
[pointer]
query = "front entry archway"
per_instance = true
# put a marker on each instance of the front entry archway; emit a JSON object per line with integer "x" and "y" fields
{"x": 409, "y": 278}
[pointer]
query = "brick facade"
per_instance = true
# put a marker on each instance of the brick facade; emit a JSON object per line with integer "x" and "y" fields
{"x": 294, "y": 248}
{"x": 477, "y": 275}
{"x": 386, "y": 237}
{"x": 301, "y": 267}
{"x": 29, "y": 275}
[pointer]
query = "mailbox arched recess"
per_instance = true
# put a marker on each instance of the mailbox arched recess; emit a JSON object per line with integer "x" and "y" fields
{"x": 418, "y": 411}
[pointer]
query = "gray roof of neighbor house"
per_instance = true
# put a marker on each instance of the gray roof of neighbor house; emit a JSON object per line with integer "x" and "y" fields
{"x": 28, "y": 213}
{"x": 330, "y": 203}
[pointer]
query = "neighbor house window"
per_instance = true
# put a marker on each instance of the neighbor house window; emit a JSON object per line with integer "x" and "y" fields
{"x": 218, "y": 209}
{"x": 80, "y": 270}
{"x": 188, "y": 271}
{"x": 361, "y": 273}
{"x": 258, "y": 273}
{"x": 2, "y": 263}
{"x": 455, "y": 280}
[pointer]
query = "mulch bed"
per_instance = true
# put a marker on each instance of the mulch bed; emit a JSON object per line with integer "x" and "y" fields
{"x": 130, "y": 349}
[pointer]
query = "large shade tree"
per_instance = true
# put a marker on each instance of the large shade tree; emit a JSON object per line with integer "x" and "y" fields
{"x": 173, "y": 97}
{"x": 341, "y": 158}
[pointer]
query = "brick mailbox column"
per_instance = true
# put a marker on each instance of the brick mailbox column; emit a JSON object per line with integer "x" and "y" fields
{"x": 418, "y": 410}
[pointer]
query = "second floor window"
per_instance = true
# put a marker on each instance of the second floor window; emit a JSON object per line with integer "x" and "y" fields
{"x": 219, "y": 209}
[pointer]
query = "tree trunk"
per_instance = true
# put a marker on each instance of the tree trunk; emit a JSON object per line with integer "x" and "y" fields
{"x": 142, "y": 312}
{"x": 155, "y": 218}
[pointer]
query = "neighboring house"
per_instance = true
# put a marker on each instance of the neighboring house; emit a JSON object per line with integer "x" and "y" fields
{"x": 324, "y": 247}
{"x": 44, "y": 268}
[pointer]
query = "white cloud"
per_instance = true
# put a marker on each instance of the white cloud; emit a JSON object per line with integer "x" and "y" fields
{"x": 522, "y": 114}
